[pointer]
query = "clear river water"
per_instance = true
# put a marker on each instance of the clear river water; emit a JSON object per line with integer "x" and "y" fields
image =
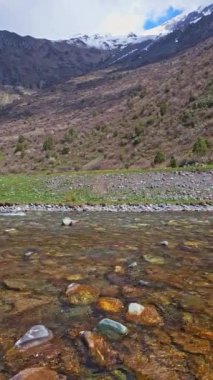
{"x": 162, "y": 261}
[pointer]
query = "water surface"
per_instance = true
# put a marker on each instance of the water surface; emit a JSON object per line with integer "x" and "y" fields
{"x": 39, "y": 258}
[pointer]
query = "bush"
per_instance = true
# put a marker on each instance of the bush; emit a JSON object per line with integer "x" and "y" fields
{"x": 21, "y": 145}
{"x": 48, "y": 143}
{"x": 159, "y": 157}
{"x": 163, "y": 108}
{"x": 201, "y": 146}
{"x": 65, "y": 150}
{"x": 173, "y": 162}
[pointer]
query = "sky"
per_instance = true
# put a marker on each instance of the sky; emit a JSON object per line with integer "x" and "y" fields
{"x": 61, "y": 19}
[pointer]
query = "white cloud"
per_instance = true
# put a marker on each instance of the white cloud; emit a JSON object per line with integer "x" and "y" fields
{"x": 63, "y": 18}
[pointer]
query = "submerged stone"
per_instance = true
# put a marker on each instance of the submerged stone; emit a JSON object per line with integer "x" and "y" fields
{"x": 165, "y": 243}
{"x": 79, "y": 294}
{"x": 38, "y": 374}
{"x": 100, "y": 350}
{"x": 80, "y": 312}
{"x": 192, "y": 302}
{"x": 147, "y": 316}
{"x": 133, "y": 265}
{"x": 109, "y": 304}
{"x": 74, "y": 277}
{"x": 34, "y": 337}
{"x": 111, "y": 328}
{"x": 15, "y": 284}
{"x": 154, "y": 259}
{"x": 69, "y": 222}
{"x": 191, "y": 344}
{"x": 135, "y": 309}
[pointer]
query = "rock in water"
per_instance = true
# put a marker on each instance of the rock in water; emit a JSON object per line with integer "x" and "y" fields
{"x": 99, "y": 349}
{"x": 133, "y": 265}
{"x": 147, "y": 316}
{"x": 69, "y": 222}
{"x": 165, "y": 243}
{"x": 110, "y": 304}
{"x": 35, "y": 336}
{"x": 112, "y": 328}
{"x": 79, "y": 294}
{"x": 38, "y": 374}
{"x": 135, "y": 309}
{"x": 154, "y": 259}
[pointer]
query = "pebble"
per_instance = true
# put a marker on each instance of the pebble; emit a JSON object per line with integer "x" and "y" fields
{"x": 35, "y": 336}
{"x": 165, "y": 243}
{"x": 154, "y": 259}
{"x": 133, "y": 265}
{"x": 79, "y": 294}
{"x": 69, "y": 222}
{"x": 144, "y": 283}
{"x": 111, "y": 327}
{"x": 38, "y": 374}
{"x": 100, "y": 351}
{"x": 110, "y": 304}
{"x": 135, "y": 309}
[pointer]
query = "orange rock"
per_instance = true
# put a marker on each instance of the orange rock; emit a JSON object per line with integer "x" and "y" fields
{"x": 149, "y": 316}
{"x": 100, "y": 350}
{"x": 111, "y": 305}
{"x": 38, "y": 374}
{"x": 79, "y": 294}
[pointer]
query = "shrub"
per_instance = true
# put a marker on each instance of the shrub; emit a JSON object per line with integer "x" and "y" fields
{"x": 159, "y": 157}
{"x": 173, "y": 162}
{"x": 139, "y": 128}
{"x": 65, "y": 150}
{"x": 163, "y": 108}
{"x": 21, "y": 145}
{"x": 201, "y": 146}
{"x": 136, "y": 140}
{"x": 48, "y": 143}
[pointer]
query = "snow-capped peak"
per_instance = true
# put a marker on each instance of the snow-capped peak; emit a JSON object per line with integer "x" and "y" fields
{"x": 110, "y": 42}
{"x": 180, "y": 21}
{"x": 107, "y": 42}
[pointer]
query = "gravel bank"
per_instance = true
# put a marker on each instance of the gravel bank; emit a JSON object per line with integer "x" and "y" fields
{"x": 19, "y": 210}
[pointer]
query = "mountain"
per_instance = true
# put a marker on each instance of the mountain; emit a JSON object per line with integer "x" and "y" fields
{"x": 40, "y": 63}
{"x": 109, "y": 42}
{"x": 175, "y": 36}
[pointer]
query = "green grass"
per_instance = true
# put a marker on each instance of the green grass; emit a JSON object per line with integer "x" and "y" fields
{"x": 37, "y": 189}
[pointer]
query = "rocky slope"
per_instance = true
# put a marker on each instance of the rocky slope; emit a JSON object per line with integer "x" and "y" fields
{"x": 111, "y": 119}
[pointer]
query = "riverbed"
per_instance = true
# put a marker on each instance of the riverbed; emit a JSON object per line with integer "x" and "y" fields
{"x": 161, "y": 261}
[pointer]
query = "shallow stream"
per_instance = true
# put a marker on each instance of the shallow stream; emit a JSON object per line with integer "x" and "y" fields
{"x": 121, "y": 256}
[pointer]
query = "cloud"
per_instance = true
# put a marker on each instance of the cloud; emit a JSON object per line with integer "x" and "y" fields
{"x": 56, "y": 19}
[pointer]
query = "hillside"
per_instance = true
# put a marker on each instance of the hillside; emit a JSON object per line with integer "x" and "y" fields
{"x": 112, "y": 119}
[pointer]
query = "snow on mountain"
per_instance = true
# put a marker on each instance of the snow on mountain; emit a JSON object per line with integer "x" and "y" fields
{"x": 110, "y": 42}
{"x": 180, "y": 21}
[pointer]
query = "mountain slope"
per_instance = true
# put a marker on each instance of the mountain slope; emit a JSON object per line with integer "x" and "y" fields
{"x": 31, "y": 62}
{"x": 111, "y": 119}
{"x": 184, "y": 36}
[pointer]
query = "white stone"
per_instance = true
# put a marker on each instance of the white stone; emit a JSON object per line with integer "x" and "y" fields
{"x": 135, "y": 309}
{"x": 35, "y": 336}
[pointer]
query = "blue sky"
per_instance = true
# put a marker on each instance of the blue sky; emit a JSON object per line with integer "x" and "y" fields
{"x": 59, "y": 19}
{"x": 170, "y": 13}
